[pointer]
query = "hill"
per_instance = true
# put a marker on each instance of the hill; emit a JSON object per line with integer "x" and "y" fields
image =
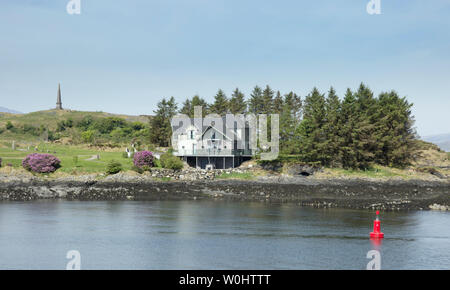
{"x": 59, "y": 124}
{"x": 6, "y": 110}
{"x": 51, "y": 117}
{"x": 442, "y": 140}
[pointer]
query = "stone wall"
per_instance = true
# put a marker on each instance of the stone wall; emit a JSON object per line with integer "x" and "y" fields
{"x": 192, "y": 174}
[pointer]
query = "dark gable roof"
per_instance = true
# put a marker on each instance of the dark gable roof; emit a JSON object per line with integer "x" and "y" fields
{"x": 206, "y": 127}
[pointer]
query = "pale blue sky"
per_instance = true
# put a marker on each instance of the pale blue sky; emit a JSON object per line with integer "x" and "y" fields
{"x": 123, "y": 56}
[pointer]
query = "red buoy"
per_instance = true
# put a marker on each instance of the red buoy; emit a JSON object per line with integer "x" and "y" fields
{"x": 376, "y": 234}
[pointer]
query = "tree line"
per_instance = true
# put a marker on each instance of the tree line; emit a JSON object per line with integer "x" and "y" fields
{"x": 356, "y": 131}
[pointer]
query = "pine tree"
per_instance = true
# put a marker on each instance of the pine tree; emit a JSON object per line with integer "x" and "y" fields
{"x": 311, "y": 129}
{"x": 288, "y": 126}
{"x": 278, "y": 104}
{"x": 237, "y": 102}
{"x": 161, "y": 130}
{"x": 295, "y": 103}
{"x": 396, "y": 132}
{"x": 366, "y": 135}
{"x": 267, "y": 97}
{"x": 256, "y": 102}
{"x": 189, "y": 105}
{"x": 346, "y": 133}
{"x": 289, "y": 122}
{"x": 220, "y": 105}
{"x": 331, "y": 128}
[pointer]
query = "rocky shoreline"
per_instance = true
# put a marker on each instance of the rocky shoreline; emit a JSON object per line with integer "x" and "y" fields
{"x": 303, "y": 191}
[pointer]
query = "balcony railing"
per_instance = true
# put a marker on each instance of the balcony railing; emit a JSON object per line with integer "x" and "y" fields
{"x": 214, "y": 152}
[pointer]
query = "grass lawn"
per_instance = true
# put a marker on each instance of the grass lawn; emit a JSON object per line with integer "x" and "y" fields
{"x": 66, "y": 154}
{"x": 236, "y": 175}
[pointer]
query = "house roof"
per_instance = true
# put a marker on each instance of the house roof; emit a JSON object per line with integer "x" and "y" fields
{"x": 218, "y": 131}
{"x": 222, "y": 129}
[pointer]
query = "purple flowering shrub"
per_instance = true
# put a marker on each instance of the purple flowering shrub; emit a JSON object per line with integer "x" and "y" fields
{"x": 143, "y": 159}
{"x": 41, "y": 163}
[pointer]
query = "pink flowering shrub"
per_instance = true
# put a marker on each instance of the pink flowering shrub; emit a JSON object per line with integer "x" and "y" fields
{"x": 41, "y": 163}
{"x": 143, "y": 159}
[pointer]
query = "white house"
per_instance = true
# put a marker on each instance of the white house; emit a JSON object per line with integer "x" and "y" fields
{"x": 212, "y": 144}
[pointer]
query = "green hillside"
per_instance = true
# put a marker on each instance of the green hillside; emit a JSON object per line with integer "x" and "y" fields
{"x": 52, "y": 117}
{"x": 74, "y": 127}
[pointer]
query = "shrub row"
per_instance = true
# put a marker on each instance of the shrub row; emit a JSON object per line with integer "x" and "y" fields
{"x": 142, "y": 161}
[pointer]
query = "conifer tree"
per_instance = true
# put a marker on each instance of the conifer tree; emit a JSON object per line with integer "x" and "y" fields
{"x": 256, "y": 102}
{"x": 161, "y": 130}
{"x": 346, "y": 133}
{"x": 278, "y": 104}
{"x": 396, "y": 132}
{"x": 189, "y": 105}
{"x": 267, "y": 97}
{"x": 331, "y": 128}
{"x": 295, "y": 103}
{"x": 311, "y": 129}
{"x": 288, "y": 126}
{"x": 220, "y": 105}
{"x": 186, "y": 107}
{"x": 237, "y": 102}
{"x": 365, "y": 131}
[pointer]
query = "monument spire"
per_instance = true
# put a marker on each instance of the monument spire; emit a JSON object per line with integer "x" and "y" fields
{"x": 58, "y": 99}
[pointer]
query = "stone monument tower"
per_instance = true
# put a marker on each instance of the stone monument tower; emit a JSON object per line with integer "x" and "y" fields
{"x": 58, "y": 99}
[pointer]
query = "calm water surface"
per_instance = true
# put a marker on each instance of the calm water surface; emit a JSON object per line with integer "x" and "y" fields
{"x": 214, "y": 235}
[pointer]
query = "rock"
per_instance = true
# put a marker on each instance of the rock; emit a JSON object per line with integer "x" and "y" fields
{"x": 439, "y": 207}
{"x": 301, "y": 170}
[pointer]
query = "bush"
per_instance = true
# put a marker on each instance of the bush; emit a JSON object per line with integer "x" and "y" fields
{"x": 137, "y": 169}
{"x": 9, "y": 125}
{"x": 157, "y": 163}
{"x": 106, "y": 125}
{"x": 170, "y": 161}
{"x": 41, "y": 163}
{"x": 113, "y": 167}
{"x": 0, "y": 162}
{"x": 143, "y": 159}
{"x": 88, "y": 136}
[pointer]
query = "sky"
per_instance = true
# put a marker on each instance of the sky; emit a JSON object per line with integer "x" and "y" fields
{"x": 123, "y": 56}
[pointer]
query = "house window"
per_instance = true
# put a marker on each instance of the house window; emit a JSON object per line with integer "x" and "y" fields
{"x": 213, "y": 135}
{"x": 192, "y": 134}
{"x": 225, "y": 147}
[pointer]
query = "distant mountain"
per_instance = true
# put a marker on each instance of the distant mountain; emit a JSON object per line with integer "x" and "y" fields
{"x": 6, "y": 110}
{"x": 442, "y": 140}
